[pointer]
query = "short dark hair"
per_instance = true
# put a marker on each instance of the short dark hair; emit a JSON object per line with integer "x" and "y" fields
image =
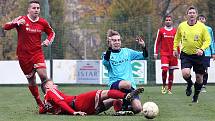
{"x": 191, "y": 7}
{"x": 201, "y": 15}
{"x": 34, "y": 1}
{"x": 168, "y": 16}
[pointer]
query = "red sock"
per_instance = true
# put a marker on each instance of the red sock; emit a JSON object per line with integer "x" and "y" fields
{"x": 35, "y": 92}
{"x": 117, "y": 105}
{"x": 170, "y": 81}
{"x": 164, "y": 75}
{"x": 116, "y": 94}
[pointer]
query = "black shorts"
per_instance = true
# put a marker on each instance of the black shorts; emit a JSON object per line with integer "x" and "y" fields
{"x": 206, "y": 61}
{"x": 195, "y": 61}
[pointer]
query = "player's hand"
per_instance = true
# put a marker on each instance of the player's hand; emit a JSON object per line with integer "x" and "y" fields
{"x": 18, "y": 21}
{"x": 21, "y": 22}
{"x": 199, "y": 52}
{"x": 155, "y": 56}
{"x": 140, "y": 40}
{"x": 80, "y": 113}
{"x": 175, "y": 53}
{"x": 46, "y": 43}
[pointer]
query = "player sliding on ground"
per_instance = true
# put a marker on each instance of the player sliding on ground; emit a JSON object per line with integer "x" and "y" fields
{"x": 89, "y": 103}
{"x": 117, "y": 61}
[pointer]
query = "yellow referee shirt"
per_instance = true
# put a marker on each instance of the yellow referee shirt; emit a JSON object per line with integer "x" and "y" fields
{"x": 192, "y": 37}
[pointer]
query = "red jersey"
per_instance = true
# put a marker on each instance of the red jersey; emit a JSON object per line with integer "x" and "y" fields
{"x": 29, "y": 34}
{"x": 164, "y": 41}
{"x": 59, "y": 103}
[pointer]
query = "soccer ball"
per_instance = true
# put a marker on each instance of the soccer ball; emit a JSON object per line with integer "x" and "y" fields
{"x": 150, "y": 110}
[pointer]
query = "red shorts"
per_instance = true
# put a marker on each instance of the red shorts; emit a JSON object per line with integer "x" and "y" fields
{"x": 169, "y": 62}
{"x": 88, "y": 102}
{"x": 28, "y": 64}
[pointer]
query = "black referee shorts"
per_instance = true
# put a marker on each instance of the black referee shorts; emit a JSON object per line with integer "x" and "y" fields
{"x": 195, "y": 61}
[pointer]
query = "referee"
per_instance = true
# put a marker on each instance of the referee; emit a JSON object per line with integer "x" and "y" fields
{"x": 194, "y": 39}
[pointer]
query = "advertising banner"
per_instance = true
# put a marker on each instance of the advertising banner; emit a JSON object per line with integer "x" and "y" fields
{"x": 139, "y": 69}
{"x": 178, "y": 78}
{"x": 88, "y": 72}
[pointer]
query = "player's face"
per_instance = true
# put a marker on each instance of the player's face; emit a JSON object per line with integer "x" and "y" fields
{"x": 115, "y": 42}
{"x": 168, "y": 22}
{"x": 34, "y": 10}
{"x": 202, "y": 19}
{"x": 192, "y": 14}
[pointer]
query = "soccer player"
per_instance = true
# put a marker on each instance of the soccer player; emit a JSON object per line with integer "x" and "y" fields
{"x": 89, "y": 103}
{"x": 164, "y": 42}
{"x": 117, "y": 60}
{"x": 194, "y": 38}
{"x": 29, "y": 49}
{"x": 208, "y": 52}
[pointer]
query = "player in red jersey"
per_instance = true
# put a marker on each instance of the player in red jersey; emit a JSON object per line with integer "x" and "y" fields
{"x": 164, "y": 42}
{"x": 29, "y": 48}
{"x": 89, "y": 103}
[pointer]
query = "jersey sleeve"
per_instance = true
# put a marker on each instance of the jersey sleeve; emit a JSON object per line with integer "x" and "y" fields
{"x": 12, "y": 24}
{"x": 207, "y": 38}
{"x": 177, "y": 39}
{"x": 58, "y": 99}
{"x": 157, "y": 42}
{"x": 212, "y": 43}
{"x": 135, "y": 55}
{"x": 49, "y": 31}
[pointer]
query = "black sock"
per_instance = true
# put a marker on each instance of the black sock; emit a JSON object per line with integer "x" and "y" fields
{"x": 126, "y": 103}
{"x": 189, "y": 81}
{"x": 198, "y": 88}
{"x": 205, "y": 78}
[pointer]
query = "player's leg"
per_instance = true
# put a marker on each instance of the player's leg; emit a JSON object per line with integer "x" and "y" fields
{"x": 170, "y": 80}
{"x": 40, "y": 66}
{"x": 186, "y": 66}
{"x": 187, "y": 77}
{"x": 165, "y": 68}
{"x": 28, "y": 70}
{"x": 34, "y": 90}
{"x": 197, "y": 87}
{"x": 173, "y": 64}
{"x": 124, "y": 86}
{"x": 199, "y": 69}
{"x": 206, "y": 63}
{"x": 116, "y": 94}
{"x": 136, "y": 105}
{"x": 164, "y": 76}
{"x": 42, "y": 73}
{"x": 205, "y": 79}
{"x": 105, "y": 99}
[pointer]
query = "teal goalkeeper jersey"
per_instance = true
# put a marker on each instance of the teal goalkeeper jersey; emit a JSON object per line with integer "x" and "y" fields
{"x": 119, "y": 65}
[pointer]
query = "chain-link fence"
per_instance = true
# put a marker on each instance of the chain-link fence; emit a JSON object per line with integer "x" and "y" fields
{"x": 86, "y": 38}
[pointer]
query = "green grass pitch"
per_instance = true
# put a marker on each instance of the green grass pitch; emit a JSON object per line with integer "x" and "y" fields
{"x": 17, "y": 104}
